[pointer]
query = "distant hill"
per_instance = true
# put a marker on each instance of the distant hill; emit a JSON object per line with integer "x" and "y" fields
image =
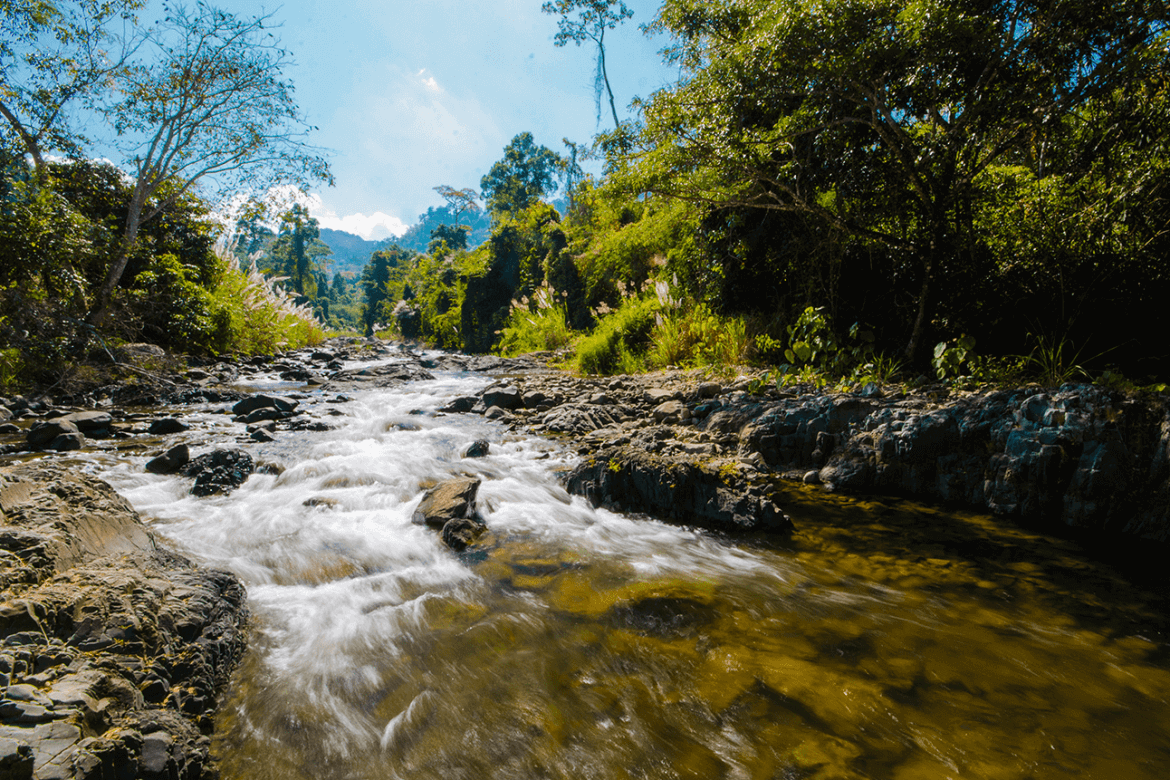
{"x": 350, "y": 252}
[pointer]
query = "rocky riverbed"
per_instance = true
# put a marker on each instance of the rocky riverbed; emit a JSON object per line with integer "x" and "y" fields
{"x": 116, "y": 650}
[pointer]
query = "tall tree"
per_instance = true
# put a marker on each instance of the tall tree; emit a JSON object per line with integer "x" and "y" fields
{"x": 206, "y": 103}
{"x": 298, "y": 250}
{"x": 525, "y": 174}
{"x": 588, "y": 20}
{"x": 881, "y": 119}
{"x": 462, "y": 201}
{"x": 54, "y": 55}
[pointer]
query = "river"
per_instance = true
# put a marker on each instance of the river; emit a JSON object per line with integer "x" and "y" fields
{"x": 883, "y": 640}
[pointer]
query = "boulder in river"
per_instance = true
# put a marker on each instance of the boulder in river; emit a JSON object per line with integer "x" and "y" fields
{"x": 263, "y": 401}
{"x": 477, "y": 449}
{"x": 630, "y": 479}
{"x": 170, "y": 461}
{"x": 42, "y": 434}
{"x": 460, "y": 532}
{"x": 167, "y": 425}
{"x": 447, "y": 501}
{"x": 221, "y": 471}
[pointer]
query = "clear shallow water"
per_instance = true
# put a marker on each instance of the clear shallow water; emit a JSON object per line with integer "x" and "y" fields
{"x": 884, "y": 640}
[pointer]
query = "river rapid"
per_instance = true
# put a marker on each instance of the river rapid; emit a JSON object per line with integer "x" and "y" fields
{"x": 883, "y": 640}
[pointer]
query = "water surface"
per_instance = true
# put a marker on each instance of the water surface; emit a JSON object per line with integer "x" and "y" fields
{"x": 883, "y": 640}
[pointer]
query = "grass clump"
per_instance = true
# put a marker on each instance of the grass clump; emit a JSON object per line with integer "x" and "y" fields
{"x": 619, "y": 342}
{"x": 537, "y": 325}
{"x": 252, "y": 315}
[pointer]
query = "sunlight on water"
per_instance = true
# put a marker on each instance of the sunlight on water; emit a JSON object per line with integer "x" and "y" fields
{"x": 884, "y": 640}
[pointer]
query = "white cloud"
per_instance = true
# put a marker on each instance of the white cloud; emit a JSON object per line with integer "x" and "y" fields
{"x": 371, "y": 227}
{"x": 429, "y": 81}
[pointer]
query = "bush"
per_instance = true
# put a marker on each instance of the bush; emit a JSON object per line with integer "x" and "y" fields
{"x": 250, "y": 314}
{"x": 618, "y": 343}
{"x": 537, "y": 326}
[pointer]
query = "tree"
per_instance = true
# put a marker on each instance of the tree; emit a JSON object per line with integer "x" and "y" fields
{"x": 593, "y": 18}
{"x": 447, "y": 238}
{"x": 297, "y": 250}
{"x": 881, "y": 120}
{"x": 210, "y": 105}
{"x": 459, "y": 201}
{"x": 522, "y": 177}
{"x": 52, "y": 56}
{"x": 571, "y": 169}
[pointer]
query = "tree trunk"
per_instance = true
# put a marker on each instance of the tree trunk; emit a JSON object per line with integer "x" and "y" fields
{"x": 923, "y": 305}
{"x": 605, "y": 78}
{"x": 101, "y": 303}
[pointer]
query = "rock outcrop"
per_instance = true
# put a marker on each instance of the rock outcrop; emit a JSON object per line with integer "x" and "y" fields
{"x": 1078, "y": 456}
{"x": 114, "y": 650}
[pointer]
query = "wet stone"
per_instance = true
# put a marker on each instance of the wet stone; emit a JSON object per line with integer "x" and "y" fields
{"x": 167, "y": 425}
{"x": 170, "y": 461}
{"x": 477, "y": 449}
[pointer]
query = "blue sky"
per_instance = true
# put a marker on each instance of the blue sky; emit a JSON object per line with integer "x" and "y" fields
{"x": 411, "y": 95}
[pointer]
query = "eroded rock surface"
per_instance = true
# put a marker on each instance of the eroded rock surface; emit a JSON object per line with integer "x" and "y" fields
{"x": 1079, "y": 455}
{"x": 114, "y": 650}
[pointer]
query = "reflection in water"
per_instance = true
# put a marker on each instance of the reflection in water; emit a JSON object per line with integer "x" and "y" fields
{"x": 883, "y": 640}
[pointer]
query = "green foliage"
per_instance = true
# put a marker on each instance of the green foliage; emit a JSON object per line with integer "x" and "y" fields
{"x": 525, "y": 174}
{"x": 11, "y": 367}
{"x": 537, "y": 325}
{"x": 696, "y": 336}
{"x": 618, "y": 344}
{"x": 811, "y": 339}
{"x": 250, "y": 314}
{"x": 1053, "y": 362}
{"x": 949, "y": 356}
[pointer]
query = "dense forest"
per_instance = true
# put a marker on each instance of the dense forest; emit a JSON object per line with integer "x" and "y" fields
{"x": 840, "y": 191}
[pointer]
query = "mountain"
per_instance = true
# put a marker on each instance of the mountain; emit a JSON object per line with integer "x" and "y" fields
{"x": 350, "y": 252}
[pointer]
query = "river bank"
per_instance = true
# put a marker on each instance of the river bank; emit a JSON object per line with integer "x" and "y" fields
{"x": 677, "y": 445}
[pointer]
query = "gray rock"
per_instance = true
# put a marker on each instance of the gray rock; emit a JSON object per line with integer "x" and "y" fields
{"x": 221, "y": 471}
{"x": 447, "y": 501}
{"x": 167, "y": 425}
{"x": 634, "y": 480}
{"x": 495, "y": 413}
{"x": 262, "y": 435}
{"x": 263, "y": 401}
{"x": 670, "y": 413}
{"x": 170, "y": 461}
{"x": 461, "y": 532}
{"x": 67, "y": 442}
{"x": 92, "y": 423}
{"x": 477, "y": 449}
{"x": 43, "y": 433}
{"x": 710, "y": 389}
{"x": 460, "y": 405}
{"x": 657, "y": 395}
{"x": 16, "y": 759}
{"x": 503, "y": 397}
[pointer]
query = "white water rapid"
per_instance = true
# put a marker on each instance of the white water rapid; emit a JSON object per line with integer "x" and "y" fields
{"x": 576, "y": 643}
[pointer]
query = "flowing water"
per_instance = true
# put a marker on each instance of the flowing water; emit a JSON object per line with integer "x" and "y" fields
{"x": 883, "y": 640}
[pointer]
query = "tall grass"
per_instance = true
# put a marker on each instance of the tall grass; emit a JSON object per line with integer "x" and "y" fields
{"x": 536, "y": 326}
{"x": 618, "y": 344}
{"x": 252, "y": 315}
{"x": 698, "y": 337}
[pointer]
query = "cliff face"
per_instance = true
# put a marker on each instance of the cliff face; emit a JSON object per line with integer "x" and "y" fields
{"x": 114, "y": 650}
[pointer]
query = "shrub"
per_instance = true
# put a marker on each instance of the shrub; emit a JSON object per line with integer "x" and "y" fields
{"x": 618, "y": 343}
